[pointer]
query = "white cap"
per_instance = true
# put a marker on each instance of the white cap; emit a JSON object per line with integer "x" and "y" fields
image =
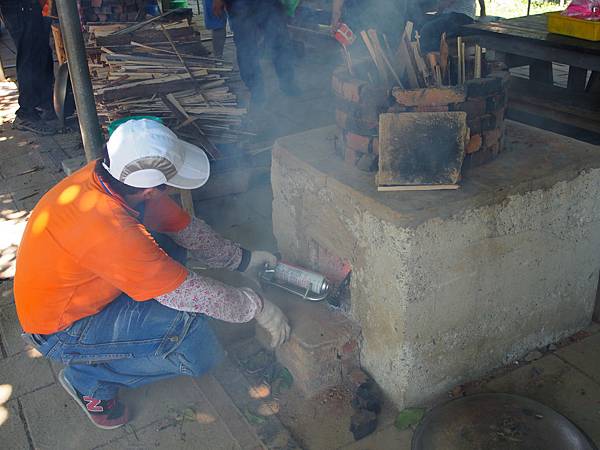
{"x": 144, "y": 154}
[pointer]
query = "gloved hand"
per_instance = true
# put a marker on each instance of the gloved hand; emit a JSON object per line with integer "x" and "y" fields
{"x": 258, "y": 259}
{"x": 274, "y": 322}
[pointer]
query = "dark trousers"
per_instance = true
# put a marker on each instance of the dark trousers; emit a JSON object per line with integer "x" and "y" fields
{"x": 30, "y": 32}
{"x": 250, "y": 20}
{"x": 433, "y": 27}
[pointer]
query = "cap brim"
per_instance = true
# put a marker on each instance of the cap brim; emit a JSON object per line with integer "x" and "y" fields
{"x": 195, "y": 170}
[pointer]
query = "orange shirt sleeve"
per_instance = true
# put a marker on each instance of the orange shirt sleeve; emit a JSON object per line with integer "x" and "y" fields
{"x": 132, "y": 262}
{"x": 164, "y": 215}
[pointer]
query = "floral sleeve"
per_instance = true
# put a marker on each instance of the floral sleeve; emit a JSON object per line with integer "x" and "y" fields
{"x": 208, "y": 246}
{"x": 215, "y": 299}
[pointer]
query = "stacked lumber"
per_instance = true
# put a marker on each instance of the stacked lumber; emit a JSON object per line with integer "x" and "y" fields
{"x": 190, "y": 93}
{"x": 112, "y": 10}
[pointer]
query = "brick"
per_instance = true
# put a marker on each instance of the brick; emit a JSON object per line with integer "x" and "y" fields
{"x": 488, "y": 122}
{"x": 357, "y": 142}
{"x": 400, "y": 109}
{"x": 313, "y": 354}
{"x": 474, "y": 144}
{"x": 351, "y": 157}
{"x": 96, "y": 3}
{"x": 351, "y": 90}
{"x": 431, "y": 109}
{"x": 429, "y": 96}
{"x": 502, "y": 75}
{"x": 495, "y": 66}
{"x": 495, "y": 102}
{"x": 474, "y": 124}
{"x": 356, "y": 123}
{"x": 474, "y": 107}
{"x": 483, "y": 87}
{"x": 492, "y": 137}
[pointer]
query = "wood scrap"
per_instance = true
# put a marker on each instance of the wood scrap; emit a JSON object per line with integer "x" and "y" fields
{"x": 477, "y": 69}
{"x": 403, "y": 56}
{"x": 381, "y": 53}
{"x": 190, "y": 92}
{"x": 444, "y": 55}
{"x": 379, "y": 63}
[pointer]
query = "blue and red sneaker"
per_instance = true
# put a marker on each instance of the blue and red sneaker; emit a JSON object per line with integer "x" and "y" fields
{"x": 105, "y": 414}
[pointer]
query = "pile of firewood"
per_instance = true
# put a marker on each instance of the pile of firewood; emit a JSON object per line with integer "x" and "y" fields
{"x": 188, "y": 90}
{"x": 408, "y": 68}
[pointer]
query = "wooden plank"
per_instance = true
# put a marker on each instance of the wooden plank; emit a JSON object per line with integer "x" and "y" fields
{"x": 545, "y": 53}
{"x": 533, "y": 32}
{"x": 421, "y": 149}
{"x": 577, "y": 79}
{"x": 594, "y": 83}
{"x": 541, "y": 71}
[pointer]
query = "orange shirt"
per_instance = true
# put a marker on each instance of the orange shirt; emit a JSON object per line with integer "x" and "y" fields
{"x": 83, "y": 246}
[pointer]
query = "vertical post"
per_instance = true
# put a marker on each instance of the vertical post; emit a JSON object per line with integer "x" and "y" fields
{"x": 91, "y": 133}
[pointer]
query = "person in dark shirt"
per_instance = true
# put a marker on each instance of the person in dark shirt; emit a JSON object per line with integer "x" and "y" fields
{"x": 250, "y": 21}
{"x": 30, "y": 32}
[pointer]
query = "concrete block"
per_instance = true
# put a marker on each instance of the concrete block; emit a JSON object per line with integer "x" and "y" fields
{"x": 429, "y": 96}
{"x": 56, "y": 421}
{"x": 10, "y": 331}
{"x": 69, "y": 166}
{"x": 12, "y": 428}
{"x": 323, "y": 346}
{"x": 25, "y": 373}
{"x": 448, "y": 285}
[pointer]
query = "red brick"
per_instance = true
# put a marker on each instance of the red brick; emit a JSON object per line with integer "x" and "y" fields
{"x": 96, "y": 3}
{"x": 352, "y": 156}
{"x": 496, "y": 102}
{"x": 357, "y": 142}
{"x": 400, "y": 109}
{"x": 474, "y": 144}
{"x": 474, "y": 107}
{"x": 492, "y": 137}
{"x": 341, "y": 119}
{"x": 351, "y": 90}
{"x": 483, "y": 87}
{"x": 429, "y": 96}
{"x": 431, "y": 108}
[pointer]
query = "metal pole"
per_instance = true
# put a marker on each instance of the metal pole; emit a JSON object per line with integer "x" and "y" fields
{"x": 70, "y": 25}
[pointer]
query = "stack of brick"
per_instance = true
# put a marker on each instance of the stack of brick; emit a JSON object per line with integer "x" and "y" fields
{"x": 483, "y": 99}
{"x": 359, "y": 103}
{"x": 111, "y": 10}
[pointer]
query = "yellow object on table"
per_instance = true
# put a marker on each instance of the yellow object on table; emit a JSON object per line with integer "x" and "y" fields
{"x": 571, "y": 26}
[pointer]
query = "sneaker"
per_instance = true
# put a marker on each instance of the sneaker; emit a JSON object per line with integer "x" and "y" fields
{"x": 35, "y": 126}
{"x": 105, "y": 414}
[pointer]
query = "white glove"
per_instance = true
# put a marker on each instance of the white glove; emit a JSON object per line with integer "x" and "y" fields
{"x": 274, "y": 322}
{"x": 258, "y": 259}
